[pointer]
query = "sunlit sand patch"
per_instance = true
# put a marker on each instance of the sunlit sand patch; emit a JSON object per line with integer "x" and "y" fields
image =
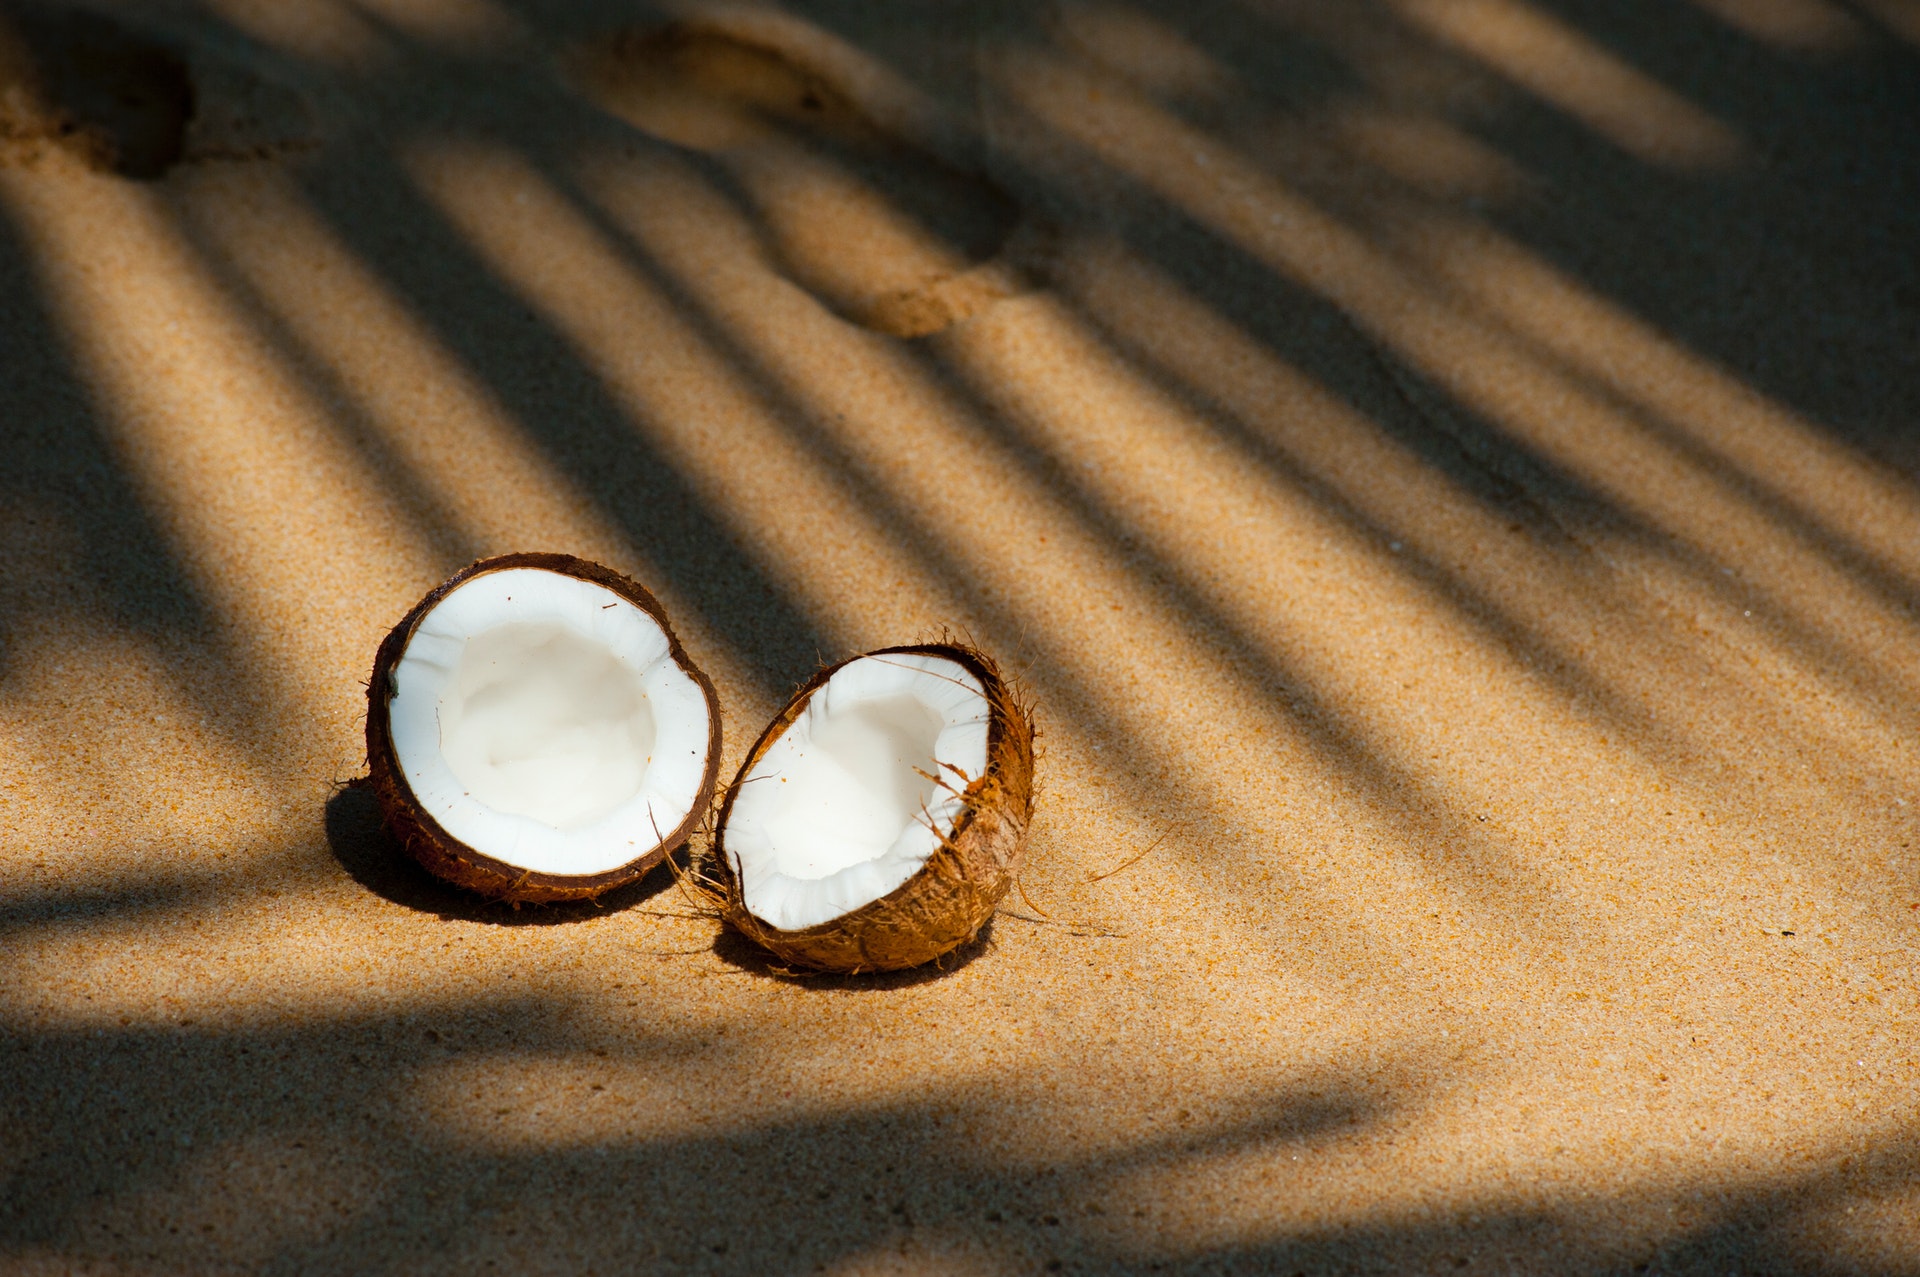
{"x": 685, "y": 395}
{"x": 1563, "y": 67}
{"x": 1749, "y": 482}
{"x": 456, "y": 440}
{"x": 1694, "y": 508}
{"x": 101, "y": 724}
{"x": 1771, "y": 446}
{"x": 101, "y": 737}
{"x": 1301, "y": 588}
{"x": 1698, "y": 490}
{"x": 1653, "y": 681}
{"x": 925, "y": 462}
{"x": 1289, "y": 574}
{"x": 868, "y": 217}
{"x": 266, "y": 507}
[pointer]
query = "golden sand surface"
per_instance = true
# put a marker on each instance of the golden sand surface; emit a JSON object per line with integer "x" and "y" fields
{"x": 1448, "y": 470}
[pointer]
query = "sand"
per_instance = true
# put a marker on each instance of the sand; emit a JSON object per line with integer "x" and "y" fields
{"x": 1447, "y": 472}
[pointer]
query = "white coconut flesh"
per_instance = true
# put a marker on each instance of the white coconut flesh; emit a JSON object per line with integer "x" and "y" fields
{"x": 859, "y": 790}
{"x": 542, "y": 721}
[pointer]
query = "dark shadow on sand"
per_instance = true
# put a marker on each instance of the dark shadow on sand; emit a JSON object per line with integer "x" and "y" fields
{"x": 372, "y": 857}
{"x": 120, "y": 1139}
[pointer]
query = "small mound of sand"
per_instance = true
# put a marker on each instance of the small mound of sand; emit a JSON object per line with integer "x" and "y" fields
{"x": 883, "y": 230}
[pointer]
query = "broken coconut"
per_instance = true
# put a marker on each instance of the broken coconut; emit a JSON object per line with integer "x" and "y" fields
{"x": 535, "y": 731}
{"x": 880, "y": 818}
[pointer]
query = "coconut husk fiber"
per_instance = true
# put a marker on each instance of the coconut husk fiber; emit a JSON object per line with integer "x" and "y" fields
{"x": 1445, "y": 472}
{"x": 945, "y": 904}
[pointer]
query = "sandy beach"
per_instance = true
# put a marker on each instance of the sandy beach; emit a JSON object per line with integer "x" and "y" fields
{"x": 1446, "y": 471}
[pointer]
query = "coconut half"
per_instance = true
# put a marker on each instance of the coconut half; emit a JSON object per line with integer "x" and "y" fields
{"x": 881, "y": 817}
{"x": 535, "y": 731}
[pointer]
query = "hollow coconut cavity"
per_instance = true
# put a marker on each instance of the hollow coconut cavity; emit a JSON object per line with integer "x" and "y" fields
{"x": 881, "y": 817}
{"x": 535, "y": 732}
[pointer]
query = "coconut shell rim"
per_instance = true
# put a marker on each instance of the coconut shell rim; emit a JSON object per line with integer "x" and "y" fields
{"x": 446, "y": 856}
{"x": 1003, "y": 700}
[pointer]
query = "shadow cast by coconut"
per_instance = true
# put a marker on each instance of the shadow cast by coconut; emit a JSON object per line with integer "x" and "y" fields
{"x": 373, "y": 858}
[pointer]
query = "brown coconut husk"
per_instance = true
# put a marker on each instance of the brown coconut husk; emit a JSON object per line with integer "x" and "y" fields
{"x": 445, "y": 856}
{"x": 950, "y": 899}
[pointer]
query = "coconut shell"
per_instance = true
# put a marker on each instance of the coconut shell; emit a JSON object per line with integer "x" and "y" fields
{"x": 946, "y": 903}
{"x": 445, "y": 856}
